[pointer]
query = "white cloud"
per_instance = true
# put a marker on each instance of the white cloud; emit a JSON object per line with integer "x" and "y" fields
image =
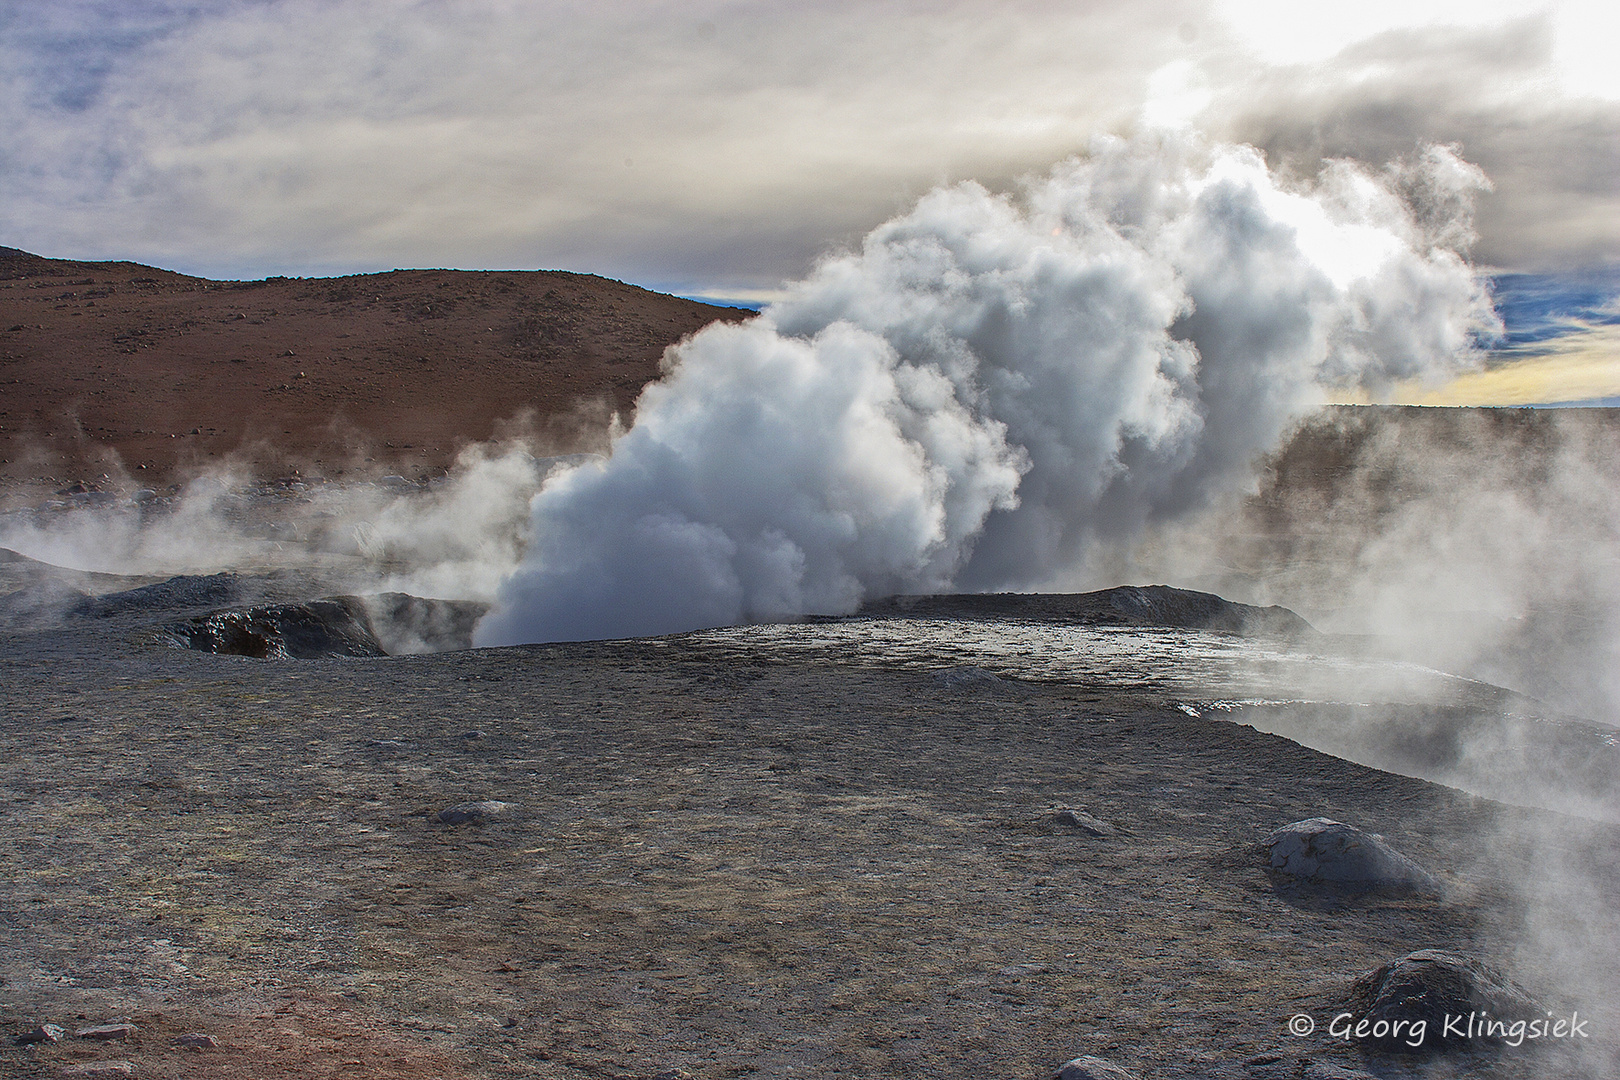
{"x": 710, "y": 146}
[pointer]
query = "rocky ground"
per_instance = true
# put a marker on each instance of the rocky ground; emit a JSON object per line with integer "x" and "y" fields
{"x": 716, "y": 854}
{"x": 712, "y": 857}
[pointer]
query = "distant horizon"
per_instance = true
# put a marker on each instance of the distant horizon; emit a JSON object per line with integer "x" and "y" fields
{"x": 1552, "y": 323}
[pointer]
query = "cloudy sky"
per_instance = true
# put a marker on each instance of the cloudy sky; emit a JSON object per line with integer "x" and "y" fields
{"x": 717, "y": 148}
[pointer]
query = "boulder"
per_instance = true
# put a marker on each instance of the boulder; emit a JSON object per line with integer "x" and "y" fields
{"x": 1092, "y": 1068}
{"x": 1430, "y": 985}
{"x": 1321, "y": 851}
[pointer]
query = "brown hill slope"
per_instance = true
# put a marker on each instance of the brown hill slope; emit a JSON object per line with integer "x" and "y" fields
{"x": 114, "y": 361}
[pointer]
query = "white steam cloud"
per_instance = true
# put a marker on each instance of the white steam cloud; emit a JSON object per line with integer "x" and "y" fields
{"x": 992, "y": 383}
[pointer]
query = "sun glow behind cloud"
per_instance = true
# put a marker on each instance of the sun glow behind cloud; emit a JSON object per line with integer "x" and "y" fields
{"x": 1581, "y": 366}
{"x": 1284, "y": 32}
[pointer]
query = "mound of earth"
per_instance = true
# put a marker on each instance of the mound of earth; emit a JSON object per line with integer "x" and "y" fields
{"x": 384, "y": 624}
{"x": 185, "y": 591}
{"x": 413, "y": 624}
{"x": 313, "y": 630}
{"x": 1127, "y": 605}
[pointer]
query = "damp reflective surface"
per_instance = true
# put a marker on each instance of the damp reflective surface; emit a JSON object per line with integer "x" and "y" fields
{"x": 1387, "y": 714}
{"x": 1195, "y": 667}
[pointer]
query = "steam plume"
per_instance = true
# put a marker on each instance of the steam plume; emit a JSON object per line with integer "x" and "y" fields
{"x": 994, "y": 382}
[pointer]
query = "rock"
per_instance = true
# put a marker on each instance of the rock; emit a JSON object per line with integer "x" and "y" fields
{"x": 44, "y": 1033}
{"x": 474, "y": 813}
{"x": 196, "y": 1041}
{"x": 1321, "y": 1070}
{"x": 962, "y": 678}
{"x": 1092, "y": 1068}
{"x": 107, "y": 1032}
{"x": 389, "y": 744}
{"x": 1323, "y": 851}
{"x": 1429, "y": 985}
{"x": 673, "y": 1074}
{"x": 1084, "y": 822}
{"x": 100, "y": 1069}
{"x": 1272, "y": 1066}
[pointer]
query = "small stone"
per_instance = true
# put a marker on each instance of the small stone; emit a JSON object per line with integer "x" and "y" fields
{"x": 107, "y": 1032}
{"x": 101, "y": 1069}
{"x": 474, "y": 813}
{"x": 44, "y": 1033}
{"x": 964, "y": 678}
{"x": 673, "y": 1074}
{"x": 196, "y": 1040}
{"x": 389, "y": 744}
{"x": 1321, "y": 1070}
{"x": 472, "y": 734}
{"x": 1079, "y": 819}
{"x": 1092, "y": 1068}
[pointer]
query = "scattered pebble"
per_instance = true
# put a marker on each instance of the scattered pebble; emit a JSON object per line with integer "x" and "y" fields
{"x": 1321, "y": 1070}
{"x": 100, "y": 1069}
{"x": 107, "y": 1032}
{"x": 1092, "y": 1068}
{"x": 1079, "y": 819}
{"x": 197, "y": 1041}
{"x": 673, "y": 1074}
{"x": 963, "y": 678}
{"x": 44, "y": 1033}
{"x": 474, "y": 813}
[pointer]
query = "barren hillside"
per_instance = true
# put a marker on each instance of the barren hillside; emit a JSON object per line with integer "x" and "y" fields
{"x": 114, "y": 361}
